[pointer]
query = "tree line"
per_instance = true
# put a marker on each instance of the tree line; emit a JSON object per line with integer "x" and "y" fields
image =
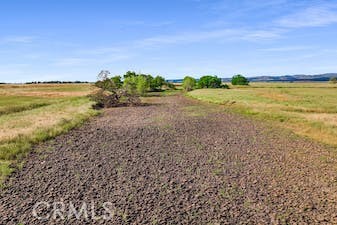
{"x": 208, "y": 81}
{"x": 126, "y": 89}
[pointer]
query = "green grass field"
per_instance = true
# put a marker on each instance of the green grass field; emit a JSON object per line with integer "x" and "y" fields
{"x": 308, "y": 109}
{"x": 32, "y": 113}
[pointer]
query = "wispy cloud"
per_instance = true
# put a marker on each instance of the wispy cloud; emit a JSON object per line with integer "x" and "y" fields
{"x": 18, "y": 39}
{"x": 314, "y": 16}
{"x": 209, "y": 35}
{"x": 185, "y": 37}
{"x": 287, "y": 48}
{"x": 143, "y": 23}
{"x": 86, "y": 60}
{"x": 267, "y": 34}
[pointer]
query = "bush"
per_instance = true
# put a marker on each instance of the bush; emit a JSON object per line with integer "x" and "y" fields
{"x": 130, "y": 84}
{"x": 105, "y": 99}
{"x": 189, "y": 83}
{"x": 157, "y": 83}
{"x": 170, "y": 86}
{"x": 111, "y": 93}
{"x": 333, "y": 80}
{"x": 130, "y": 74}
{"x": 239, "y": 80}
{"x": 224, "y": 86}
{"x": 209, "y": 82}
{"x": 117, "y": 81}
{"x": 142, "y": 85}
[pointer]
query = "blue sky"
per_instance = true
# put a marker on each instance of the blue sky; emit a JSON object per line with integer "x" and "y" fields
{"x": 75, "y": 39}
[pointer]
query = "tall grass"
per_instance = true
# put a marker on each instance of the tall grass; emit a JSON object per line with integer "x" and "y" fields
{"x": 308, "y": 109}
{"x": 30, "y": 114}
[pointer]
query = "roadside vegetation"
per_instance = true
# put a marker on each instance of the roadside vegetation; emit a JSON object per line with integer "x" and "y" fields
{"x": 113, "y": 91}
{"x": 239, "y": 80}
{"x": 189, "y": 83}
{"x": 33, "y": 113}
{"x": 308, "y": 109}
{"x": 208, "y": 81}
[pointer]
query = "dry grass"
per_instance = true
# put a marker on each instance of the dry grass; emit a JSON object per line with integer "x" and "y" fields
{"x": 308, "y": 109}
{"x": 26, "y": 122}
{"x": 33, "y": 113}
{"x": 47, "y": 90}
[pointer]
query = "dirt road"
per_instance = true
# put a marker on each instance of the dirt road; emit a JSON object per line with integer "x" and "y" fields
{"x": 176, "y": 161}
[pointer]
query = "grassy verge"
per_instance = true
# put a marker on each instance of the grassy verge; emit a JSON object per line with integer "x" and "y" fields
{"x": 308, "y": 109}
{"x": 32, "y": 114}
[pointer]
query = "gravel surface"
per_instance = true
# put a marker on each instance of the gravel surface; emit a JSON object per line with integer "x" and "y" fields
{"x": 174, "y": 161}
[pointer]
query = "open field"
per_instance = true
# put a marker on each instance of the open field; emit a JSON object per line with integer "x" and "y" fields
{"x": 176, "y": 160}
{"x": 32, "y": 113}
{"x": 308, "y": 109}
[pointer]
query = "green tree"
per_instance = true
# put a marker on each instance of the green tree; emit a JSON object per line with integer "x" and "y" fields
{"x": 111, "y": 94}
{"x": 142, "y": 85}
{"x": 130, "y": 84}
{"x": 239, "y": 80}
{"x": 209, "y": 82}
{"x": 117, "y": 81}
{"x": 189, "y": 83}
{"x": 333, "y": 80}
{"x": 130, "y": 74}
{"x": 157, "y": 83}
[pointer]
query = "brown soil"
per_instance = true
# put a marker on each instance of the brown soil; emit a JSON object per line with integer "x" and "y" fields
{"x": 177, "y": 161}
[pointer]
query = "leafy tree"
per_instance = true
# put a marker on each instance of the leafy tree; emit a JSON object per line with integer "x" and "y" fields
{"x": 110, "y": 93}
{"x": 137, "y": 85}
{"x": 239, "y": 80}
{"x": 209, "y": 82}
{"x": 130, "y": 84}
{"x": 130, "y": 74}
{"x": 189, "y": 83}
{"x": 157, "y": 83}
{"x": 142, "y": 85}
{"x": 117, "y": 81}
{"x": 148, "y": 78}
{"x": 333, "y": 80}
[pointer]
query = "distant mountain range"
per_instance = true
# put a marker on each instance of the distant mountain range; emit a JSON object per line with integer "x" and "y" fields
{"x": 290, "y": 78}
{"x": 283, "y": 78}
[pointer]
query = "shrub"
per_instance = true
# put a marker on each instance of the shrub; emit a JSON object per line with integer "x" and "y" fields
{"x": 333, "y": 80}
{"x": 111, "y": 93}
{"x": 189, "y": 83}
{"x": 105, "y": 99}
{"x": 117, "y": 81}
{"x": 130, "y": 74}
{"x": 130, "y": 84}
{"x": 157, "y": 83}
{"x": 224, "y": 86}
{"x": 209, "y": 82}
{"x": 141, "y": 85}
{"x": 170, "y": 85}
{"x": 239, "y": 80}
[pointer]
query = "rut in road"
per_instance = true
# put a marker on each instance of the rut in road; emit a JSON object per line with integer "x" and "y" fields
{"x": 176, "y": 161}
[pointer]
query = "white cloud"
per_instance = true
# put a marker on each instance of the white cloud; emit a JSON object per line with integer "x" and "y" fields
{"x": 287, "y": 48}
{"x": 70, "y": 62}
{"x": 315, "y": 16}
{"x": 18, "y": 39}
{"x": 210, "y": 35}
{"x": 186, "y": 37}
{"x": 83, "y": 61}
{"x": 263, "y": 35}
